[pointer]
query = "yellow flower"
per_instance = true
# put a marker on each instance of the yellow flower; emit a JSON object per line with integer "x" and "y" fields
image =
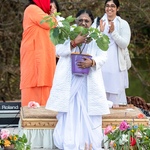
{"x": 7, "y": 143}
{"x": 114, "y": 145}
{"x": 15, "y": 138}
{"x": 132, "y": 130}
{"x": 114, "y": 127}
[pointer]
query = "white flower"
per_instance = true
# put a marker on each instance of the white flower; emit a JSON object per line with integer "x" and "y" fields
{"x": 59, "y": 19}
{"x": 138, "y": 135}
{"x": 123, "y": 139}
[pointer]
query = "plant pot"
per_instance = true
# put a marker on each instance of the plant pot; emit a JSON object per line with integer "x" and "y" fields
{"x": 11, "y": 147}
{"x": 75, "y": 58}
{"x": 131, "y": 148}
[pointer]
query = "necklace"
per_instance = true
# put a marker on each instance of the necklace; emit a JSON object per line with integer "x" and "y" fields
{"x": 109, "y": 20}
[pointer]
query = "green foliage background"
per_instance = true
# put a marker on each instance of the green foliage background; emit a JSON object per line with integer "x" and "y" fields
{"x": 136, "y": 12}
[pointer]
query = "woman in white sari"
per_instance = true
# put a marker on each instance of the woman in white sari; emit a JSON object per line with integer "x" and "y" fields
{"x": 79, "y": 100}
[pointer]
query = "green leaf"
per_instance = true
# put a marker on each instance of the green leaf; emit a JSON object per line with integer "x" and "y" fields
{"x": 102, "y": 43}
{"x": 54, "y": 33}
{"x": 73, "y": 35}
{"x": 94, "y": 35}
{"x": 66, "y": 28}
{"x": 49, "y": 20}
{"x": 70, "y": 19}
{"x": 79, "y": 29}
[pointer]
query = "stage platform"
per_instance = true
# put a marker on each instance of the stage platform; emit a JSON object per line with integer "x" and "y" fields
{"x": 38, "y": 124}
{"x": 40, "y": 118}
{"x": 129, "y": 113}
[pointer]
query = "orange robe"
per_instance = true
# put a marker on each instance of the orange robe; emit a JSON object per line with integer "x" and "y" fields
{"x": 37, "y": 57}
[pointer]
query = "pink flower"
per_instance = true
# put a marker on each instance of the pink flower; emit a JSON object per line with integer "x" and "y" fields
{"x": 123, "y": 126}
{"x": 140, "y": 116}
{"x": 107, "y": 130}
{"x": 4, "y": 134}
{"x": 112, "y": 144}
{"x": 33, "y": 104}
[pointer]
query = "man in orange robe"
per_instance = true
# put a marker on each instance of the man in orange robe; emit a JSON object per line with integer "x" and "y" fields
{"x": 37, "y": 54}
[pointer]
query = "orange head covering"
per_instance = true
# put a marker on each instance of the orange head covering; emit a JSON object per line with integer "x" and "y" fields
{"x": 44, "y": 5}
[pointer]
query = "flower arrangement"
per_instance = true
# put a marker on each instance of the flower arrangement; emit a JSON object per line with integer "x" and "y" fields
{"x": 62, "y": 30}
{"x": 8, "y": 140}
{"x": 128, "y": 136}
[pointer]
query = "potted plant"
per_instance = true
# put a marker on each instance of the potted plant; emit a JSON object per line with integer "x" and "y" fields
{"x": 64, "y": 30}
{"x": 13, "y": 141}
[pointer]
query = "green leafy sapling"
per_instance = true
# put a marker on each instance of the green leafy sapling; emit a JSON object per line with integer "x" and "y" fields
{"x": 63, "y": 30}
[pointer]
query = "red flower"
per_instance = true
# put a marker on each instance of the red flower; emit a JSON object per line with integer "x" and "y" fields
{"x": 132, "y": 141}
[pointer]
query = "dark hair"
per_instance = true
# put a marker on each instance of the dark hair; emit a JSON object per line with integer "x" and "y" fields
{"x": 116, "y": 2}
{"x": 31, "y": 2}
{"x": 56, "y": 3}
{"x": 83, "y": 11}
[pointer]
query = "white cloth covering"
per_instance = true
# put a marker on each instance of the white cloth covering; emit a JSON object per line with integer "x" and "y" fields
{"x": 43, "y": 138}
{"x": 38, "y": 138}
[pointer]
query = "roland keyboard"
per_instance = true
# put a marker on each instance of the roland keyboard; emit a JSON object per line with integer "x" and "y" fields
{"x": 9, "y": 113}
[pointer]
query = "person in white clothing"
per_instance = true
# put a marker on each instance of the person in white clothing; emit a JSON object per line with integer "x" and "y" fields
{"x": 115, "y": 70}
{"x": 79, "y": 100}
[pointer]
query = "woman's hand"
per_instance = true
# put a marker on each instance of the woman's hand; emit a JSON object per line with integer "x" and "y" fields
{"x": 85, "y": 63}
{"x": 102, "y": 25}
{"x": 80, "y": 39}
{"x": 111, "y": 27}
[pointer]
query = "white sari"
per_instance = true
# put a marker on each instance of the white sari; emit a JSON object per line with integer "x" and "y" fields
{"x": 76, "y": 127}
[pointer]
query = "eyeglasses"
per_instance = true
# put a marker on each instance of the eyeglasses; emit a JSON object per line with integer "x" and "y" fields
{"x": 111, "y": 6}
